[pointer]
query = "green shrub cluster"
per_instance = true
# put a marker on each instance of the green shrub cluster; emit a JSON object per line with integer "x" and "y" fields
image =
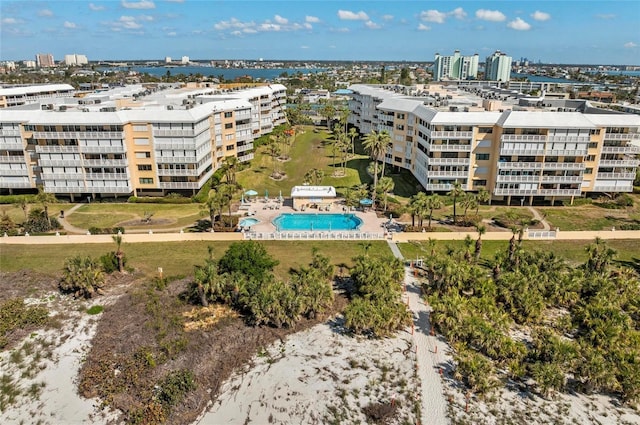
{"x": 106, "y": 230}
{"x": 172, "y": 198}
{"x": 15, "y": 199}
{"x": 15, "y": 314}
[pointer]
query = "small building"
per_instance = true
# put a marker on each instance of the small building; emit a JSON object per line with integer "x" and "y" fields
{"x": 313, "y": 197}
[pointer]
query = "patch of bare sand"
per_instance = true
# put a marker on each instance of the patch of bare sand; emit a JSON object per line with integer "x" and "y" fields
{"x": 323, "y": 376}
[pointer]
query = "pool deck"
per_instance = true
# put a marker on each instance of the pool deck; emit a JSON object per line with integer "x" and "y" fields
{"x": 261, "y": 210}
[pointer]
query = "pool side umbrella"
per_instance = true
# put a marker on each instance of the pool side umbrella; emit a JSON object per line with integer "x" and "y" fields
{"x": 251, "y": 192}
{"x": 367, "y": 202}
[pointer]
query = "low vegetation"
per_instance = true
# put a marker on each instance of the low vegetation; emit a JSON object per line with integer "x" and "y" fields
{"x": 16, "y": 316}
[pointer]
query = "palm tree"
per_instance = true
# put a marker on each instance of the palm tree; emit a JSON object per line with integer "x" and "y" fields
{"x": 376, "y": 144}
{"x": 45, "y": 199}
{"x": 600, "y": 256}
{"x": 433, "y": 202}
{"x": 214, "y": 203}
{"x": 468, "y": 201}
{"x": 385, "y": 185}
{"x": 455, "y": 192}
{"x": 82, "y": 276}
{"x": 24, "y": 206}
{"x": 417, "y": 205}
{"x": 119, "y": 254}
{"x": 483, "y": 196}
{"x": 313, "y": 176}
{"x": 227, "y": 191}
{"x": 352, "y": 134}
{"x": 230, "y": 166}
{"x": 482, "y": 229}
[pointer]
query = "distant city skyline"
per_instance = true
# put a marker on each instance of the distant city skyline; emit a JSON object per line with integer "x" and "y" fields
{"x": 593, "y": 32}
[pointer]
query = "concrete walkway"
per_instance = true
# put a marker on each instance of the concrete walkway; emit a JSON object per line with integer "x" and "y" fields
{"x": 68, "y": 227}
{"x": 430, "y": 358}
{"x": 538, "y": 217}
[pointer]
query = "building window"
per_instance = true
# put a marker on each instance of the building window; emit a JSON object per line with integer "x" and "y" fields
{"x": 146, "y": 180}
{"x": 144, "y": 167}
{"x": 588, "y": 170}
{"x": 482, "y": 157}
{"x": 228, "y": 114}
{"x": 485, "y": 130}
{"x": 228, "y": 125}
{"x": 593, "y": 145}
{"x": 143, "y": 154}
{"x": 230, "y": 147}
{"x": 477, "y": 183}
{"x": 590, "y": 158}
{"x": 140, "y": 141}
{"x": 595, "y": 131}
{"x": 139, "y": 127}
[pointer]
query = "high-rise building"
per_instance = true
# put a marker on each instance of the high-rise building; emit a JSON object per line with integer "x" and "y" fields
{"x": 75, "y": 59}
{"x": 185, "y": 60}
{"x": 498, "y": 67}
{"x": 29, "y": 64}
{"x": 45, "y": 60}
{"x": 167, "y": 59}
{"x": 456, "y": 67}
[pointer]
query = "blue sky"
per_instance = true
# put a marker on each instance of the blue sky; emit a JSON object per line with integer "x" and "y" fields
{"x": 605, "y": 32}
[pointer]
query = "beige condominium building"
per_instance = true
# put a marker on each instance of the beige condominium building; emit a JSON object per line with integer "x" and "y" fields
{"x": 516, "y": 155}
{"x": 140, "y": 140}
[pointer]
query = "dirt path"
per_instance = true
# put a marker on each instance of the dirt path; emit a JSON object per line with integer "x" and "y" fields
{"x": 431, "y": 353}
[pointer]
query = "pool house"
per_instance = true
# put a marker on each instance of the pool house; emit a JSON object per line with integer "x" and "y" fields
{"x": 308, "y": 197}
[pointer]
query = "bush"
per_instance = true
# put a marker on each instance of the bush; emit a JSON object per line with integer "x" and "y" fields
{"x": 106, "y": 230}
{"x": 172, "y": 198}
{"x": 250, "y": 259}
{"x": 624, "y": 200}
{"x": 109, "y": 262}
{"x": 14, "y": 199}
{"x": 95, "y": 309}
{"x": 577, "y": 202}
{"x": 14, "y": 314}
{"x": 38, "y": 223}
{"x": 82, "y": 276}
{"x": 225, "y": 223}
{"x": 174, "y": 387}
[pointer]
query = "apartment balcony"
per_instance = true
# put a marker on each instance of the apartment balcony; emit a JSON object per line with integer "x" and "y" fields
{"x": 78, "y": 135}
{"x": 521, "y": 192}
{"x": 449, "y": 134}
{"x": 178, "y": 172}
{"x": 566, "y": 152}
{"x": 562, "y": 179}
{"x": 244, "y": 137}
{"x": 6, "y": 172}
{"x": 442, "y": 186}
{"x": 243, "y": 127}
{"x": 517, "y": 179}
{"x": 9, "y": 132}
{"x": 564, "y": 166}
{"x": 4, "y": 184}
{"x": 561, "y": 192}
{"x": 528, "y": 152}
{"x": 104, "y": 162}
{"x": 621, "y": 149}
{"x": 11, "y": 146}
{"x": 622, "y": 136}
{"x": 107, "y": 176}
{"x": 62, "y": 176}
{"x": 616, "y": 176}
{"x": 243, "y": 148}
{"x": 176, "y": 159}
{"x": 619, "y": 162}
{"x": 448, "y": 161}
{"x": 247, "y": 157}
{"x": 447, "y": 174}
{"x": 167, "y": 146}
{"x": 219, "y": 154}
{"x": 174, "y": 133}
{"x": 57, "y": 149}
{"x": 523, "y": 138}
{"x": 244, "y": 116}
{"x": 448, "y": 148}
{"x": 520, "y": 165}
{"x": 103, "y": 149}
{"x": 61, "y": 162}
{"x": 180, "y": 185}
{"x": 608, "y": 188}
{"x": 570, "y": 139}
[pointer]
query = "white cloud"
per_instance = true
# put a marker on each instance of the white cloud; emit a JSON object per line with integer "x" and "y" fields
{"x": 45, "y": 12}
{"x": 605, "y": 16}
{"x": 630, "y": 45}
{"x": 423, "y": 27}
{"x": 372, "y": 25}
{"x": 269, "y": 27}
{"x": 95, "y": 7}
{"x": 490, "y": 15}
{"x": 69, "y": 25}
{"x": 280, "y": 20}
{"x": 433, "y": 16}
{"x": 519, "y": 25}
{"x": 146, "y": 18}
{"x": 175, "y": 1}
{"x": 172, "y": 34}
{"x": 387, "y": 17}
{"x": 311, "y": 19}
{"x": 126, "y": 23}
{"x": 342, "y": 29}
{"x": 458, "y": 13}
{"x": 10, "y": 21}
{"x": 347, "y": 15}
{"x": 304, "y": 47}
{"x": 540, "y": 16}
{"x": 142, "y": 4}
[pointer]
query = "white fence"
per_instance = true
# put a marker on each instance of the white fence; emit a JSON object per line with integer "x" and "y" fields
{"x": 544, "y": 234}
{"x": 288, "y": 236}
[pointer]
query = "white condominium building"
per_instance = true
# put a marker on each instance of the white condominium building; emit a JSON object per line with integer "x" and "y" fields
{"x": 512, "y": 154}
{"x": 138, "y": 140}
{"x": 456, "y": 67}
{"x": 498, "y": 67}
{"x": 16, "y": 96}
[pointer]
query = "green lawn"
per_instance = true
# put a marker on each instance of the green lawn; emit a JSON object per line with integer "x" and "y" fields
{"x": 114, "y": 214}
{"x": 573, "y": 251}
{"x": 17, "y": 215}
{"x": 589, "y": 217}
{"x": 176, "y": 258}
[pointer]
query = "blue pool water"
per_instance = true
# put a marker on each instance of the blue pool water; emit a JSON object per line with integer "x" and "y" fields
{"x": 317, "y": 222}
{"x": 248, "y": 222}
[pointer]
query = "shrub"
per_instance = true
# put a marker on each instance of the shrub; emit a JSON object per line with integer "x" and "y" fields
{"x": 174, "y": 387}
{"x": 106, "y": 230}
{"x": 38, "y": 223}
{"x": 172, "y": 198}
{"x": 95, "y": 309}
{"x": 7, "y": 225}
{"x": 577, "y": 202}
{"x": 82, "y": 276}
{"x": 14, "y": 199}
{"x": 624, "y": 200}
{"x": 109, "y": 262}
{"x": 249, "y": 258}
{"x": 14, "y": 314}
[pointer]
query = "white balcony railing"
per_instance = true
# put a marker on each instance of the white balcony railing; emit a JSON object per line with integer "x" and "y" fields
{"x": 448, "y": 161}
{"x": 9, "y": 132}
{"x": 174, "y": 133}
{"x": 243, "y": 148}
{"x": 603, "y": 188}
{"x": 107, "y": 176}
{"x": 247, "y": 157}
{"x": 621, "y": 149}
{"x": 622, "y": 136}
{"x": 11, "y": 146}
{"x": 57, "y": 149}
{"x": 103, "y": 149}
{"x": 78, "y": 134}
{"x": 176, "y": 159}
{"x": 561, "y": 192}
{"x": 516, "y": 178}
{"x": 616, "y": 176}
{"x": 515, "y": 191}
{"x": 158, "y": 145}
{"x": 442, "y": 186}
{"x": 619, "y": 162}
{"x": 562, "y": 179}
{"x": 449, "y": 148}
{"x": 564, "y": 166}
{"x": 450, "y": 134}
{"x": 179, "y": 185}
{"x": 20, "y": 172}
{"x": 447, "y": 174}
{"x": 62, "y": 176}
{"x": 105, "y": 162}
{"x": 523, "y": 138}
{"x": 506, "y": 151}
{"x": 570, "y": 139}
{"x": 178, "y": 172}
{"x": 520, "y": 165}
{"x": 15, "y": 185}
{"x": 61, "y": 162}
{"x": 566, "y": 152}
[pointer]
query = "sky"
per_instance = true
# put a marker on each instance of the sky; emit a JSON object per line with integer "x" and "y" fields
{"x": 594, "y": 32}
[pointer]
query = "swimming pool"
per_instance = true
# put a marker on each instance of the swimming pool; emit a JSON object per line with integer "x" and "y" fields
{"x": 320, "y": 222}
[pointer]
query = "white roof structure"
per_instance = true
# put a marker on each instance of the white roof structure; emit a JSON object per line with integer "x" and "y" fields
{"x": 46, "y": 88}
{"x": 313, "y": 192}
{"x": 527, "y": 119}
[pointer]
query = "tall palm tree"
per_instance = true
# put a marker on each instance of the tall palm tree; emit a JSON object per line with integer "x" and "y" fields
{"x": 45, "y": 199}
{"x": 482, "y": 229}
{"x": 214, "y": 203}
{"x": 230, "y": 166}
{"x": 119, "y": 254}
{"x": 433, "y": 202}
{"x": 385, "y": 185}
{"x": 417, "y": 205}
{"x": 352, "y": 134}
{"x": 455, "y": 193}
{"x": 483, "y": 196}
{"x": 376, "y": 144}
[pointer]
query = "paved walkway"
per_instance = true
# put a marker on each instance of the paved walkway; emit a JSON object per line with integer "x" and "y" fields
{"x": 538, "y": 217}
{"x": 430, "y": 352}
{"x": 68, "y": 227}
